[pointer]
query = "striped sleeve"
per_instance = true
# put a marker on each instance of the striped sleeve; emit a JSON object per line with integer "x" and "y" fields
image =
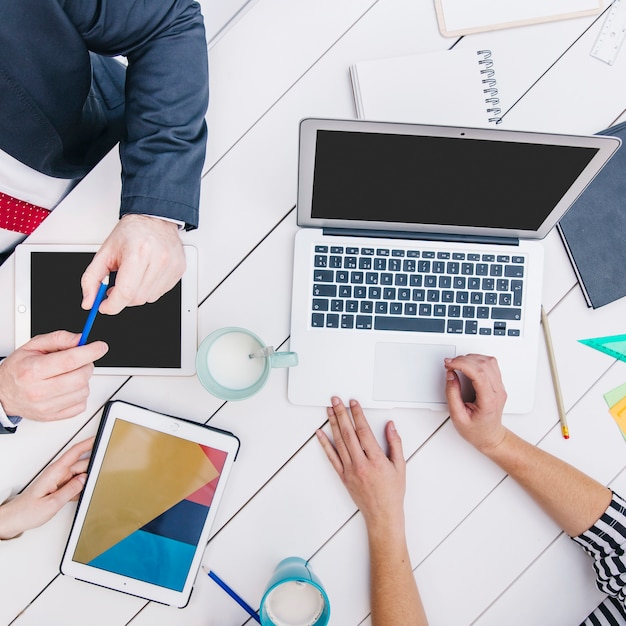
{"x": 605, "y": 542}
{"x": 610, "y": 613}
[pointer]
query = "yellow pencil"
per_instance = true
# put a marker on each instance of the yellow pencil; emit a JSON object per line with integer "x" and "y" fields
{"x": 555, "y": 375}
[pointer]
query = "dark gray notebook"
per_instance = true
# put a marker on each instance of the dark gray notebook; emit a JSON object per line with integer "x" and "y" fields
{"x": 594, "y": 230}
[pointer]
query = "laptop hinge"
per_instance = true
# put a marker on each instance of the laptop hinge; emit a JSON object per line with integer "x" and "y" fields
{"x": 396, "y": 234}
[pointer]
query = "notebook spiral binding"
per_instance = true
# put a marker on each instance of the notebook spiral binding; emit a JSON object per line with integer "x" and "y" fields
{"x": 490, "y": 87}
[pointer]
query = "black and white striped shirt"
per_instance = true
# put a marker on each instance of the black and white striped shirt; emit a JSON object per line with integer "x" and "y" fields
{"x": 605, "y": 542}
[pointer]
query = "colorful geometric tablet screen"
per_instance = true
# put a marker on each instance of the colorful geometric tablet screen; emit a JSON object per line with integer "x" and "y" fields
{"x": 149, "y": 505}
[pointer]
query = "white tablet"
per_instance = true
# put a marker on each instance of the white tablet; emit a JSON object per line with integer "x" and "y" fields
{"x": 153, "y": 488}
{"x": 158, "y": 338}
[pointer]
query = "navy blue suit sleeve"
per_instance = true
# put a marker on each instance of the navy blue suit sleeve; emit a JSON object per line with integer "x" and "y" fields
{"x": 164, "y": 146}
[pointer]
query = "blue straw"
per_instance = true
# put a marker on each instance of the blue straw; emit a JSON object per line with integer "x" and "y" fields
{"x": 240, "y": 601}
{"x": 94, "y": 310}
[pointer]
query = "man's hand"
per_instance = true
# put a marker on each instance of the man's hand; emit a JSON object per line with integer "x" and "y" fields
{"x": 478, "y": 422}
{"x": 375, "y": 482}
{"x": 148, "y": 256}
{"x": 48, "y": 377}
{"x": 59, "y": 483}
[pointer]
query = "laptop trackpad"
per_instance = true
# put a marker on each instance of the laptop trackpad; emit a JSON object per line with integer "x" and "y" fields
{"x": 410, "y": 372}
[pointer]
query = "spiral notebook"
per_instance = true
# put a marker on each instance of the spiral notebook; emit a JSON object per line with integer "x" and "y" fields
{"x": 454, "y": 87}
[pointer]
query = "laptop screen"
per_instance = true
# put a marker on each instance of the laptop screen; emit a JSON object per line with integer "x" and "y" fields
{"x": 454, "y": 181}
{"x": 441, "y": 181}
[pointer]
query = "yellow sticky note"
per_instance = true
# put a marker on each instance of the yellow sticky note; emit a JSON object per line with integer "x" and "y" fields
{"x": 618, "y": 411}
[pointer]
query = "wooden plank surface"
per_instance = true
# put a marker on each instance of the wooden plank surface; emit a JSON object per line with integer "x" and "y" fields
{"x": 274, "y": 62}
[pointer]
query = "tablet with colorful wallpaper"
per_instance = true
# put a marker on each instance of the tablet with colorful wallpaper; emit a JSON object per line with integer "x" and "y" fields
{"x": 153, "y": 487}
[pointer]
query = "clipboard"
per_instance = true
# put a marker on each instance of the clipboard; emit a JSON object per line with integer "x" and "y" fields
{"x": 463, "y": 17}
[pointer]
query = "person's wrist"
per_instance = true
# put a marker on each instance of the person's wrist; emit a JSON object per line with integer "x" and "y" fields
{"x": 493, "y": 443}
{"x": 388, "y": 523}
{"x": 4, "y": 375}
{"x": 8, "y": 528}
{"x": 387, "y": 540}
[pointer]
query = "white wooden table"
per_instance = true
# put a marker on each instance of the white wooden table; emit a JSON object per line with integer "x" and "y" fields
{"x": 482, "y": 552}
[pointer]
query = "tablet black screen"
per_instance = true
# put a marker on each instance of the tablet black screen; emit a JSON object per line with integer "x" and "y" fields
{"x": 138, "y": 337}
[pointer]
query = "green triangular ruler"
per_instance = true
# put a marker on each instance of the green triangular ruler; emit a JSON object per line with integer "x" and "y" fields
{"x": 614, "y": 346}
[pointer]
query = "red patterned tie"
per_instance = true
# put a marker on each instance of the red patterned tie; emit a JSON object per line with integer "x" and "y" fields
{"x": 19, "y": 216}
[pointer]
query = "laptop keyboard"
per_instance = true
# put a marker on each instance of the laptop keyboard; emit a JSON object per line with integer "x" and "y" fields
{"x": 417, "y": 290}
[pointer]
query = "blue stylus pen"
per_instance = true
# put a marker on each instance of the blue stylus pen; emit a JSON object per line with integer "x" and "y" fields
{"x": 94, "y": 310}
{"x": 240, "y": 601}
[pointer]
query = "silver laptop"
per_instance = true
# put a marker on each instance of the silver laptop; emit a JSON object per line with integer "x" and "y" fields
{"x": 417, "y": 244}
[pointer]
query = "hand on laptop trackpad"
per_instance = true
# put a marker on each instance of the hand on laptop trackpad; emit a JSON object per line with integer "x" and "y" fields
{"x": 410, "y": 372}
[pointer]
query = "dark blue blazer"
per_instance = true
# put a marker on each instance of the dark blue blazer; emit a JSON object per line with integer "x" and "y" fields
{"x": 64, "y": 102}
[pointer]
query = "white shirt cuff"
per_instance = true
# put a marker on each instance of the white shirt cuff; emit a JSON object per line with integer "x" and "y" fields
{"x": 180, "y": 224}
{"x": 4, "y": 420}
